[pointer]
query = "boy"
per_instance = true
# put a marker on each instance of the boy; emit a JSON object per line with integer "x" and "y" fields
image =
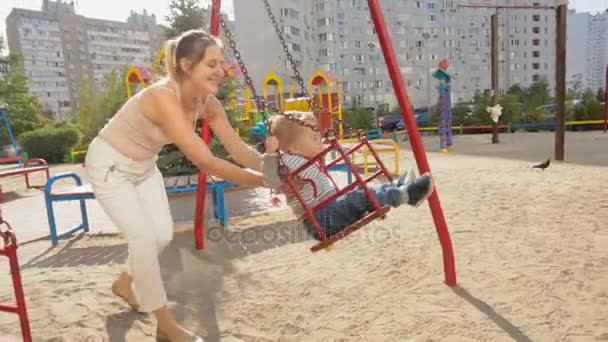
{"x": 298, "y": 140}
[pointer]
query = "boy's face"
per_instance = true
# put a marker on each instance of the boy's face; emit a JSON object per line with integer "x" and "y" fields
{"x": 308, "y": 143}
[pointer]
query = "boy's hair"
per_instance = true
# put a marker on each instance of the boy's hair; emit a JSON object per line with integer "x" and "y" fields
{"x": 287, "y": 127}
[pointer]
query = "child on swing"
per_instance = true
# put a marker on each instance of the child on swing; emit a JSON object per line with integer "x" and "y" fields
{"x": 295, "y": 135}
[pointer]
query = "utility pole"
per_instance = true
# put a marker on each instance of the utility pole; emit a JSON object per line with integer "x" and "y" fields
{"x": 372, "y": 48}
{"x": 560, "y": 64}
{"x": 427, "y": 71}
{"x": 606, "y": 102}
{"x": 495, "y": 71}
{"x": 560, "y": 80}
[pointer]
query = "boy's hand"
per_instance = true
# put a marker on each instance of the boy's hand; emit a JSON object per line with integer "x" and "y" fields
{"x": 271, "y": 144}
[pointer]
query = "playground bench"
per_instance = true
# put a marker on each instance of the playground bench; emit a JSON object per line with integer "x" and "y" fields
{"x": 82, "y": 192}
{"x": 25, "y": 168}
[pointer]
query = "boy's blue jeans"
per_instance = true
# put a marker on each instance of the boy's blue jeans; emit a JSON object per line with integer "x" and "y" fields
{"x": 350, "y": 207}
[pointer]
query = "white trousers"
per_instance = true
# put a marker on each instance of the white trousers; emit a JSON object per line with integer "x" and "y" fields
{"x": 133, "y": 195}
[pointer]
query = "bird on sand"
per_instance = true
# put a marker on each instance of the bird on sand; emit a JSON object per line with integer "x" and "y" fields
{"x": 542, "y": 165}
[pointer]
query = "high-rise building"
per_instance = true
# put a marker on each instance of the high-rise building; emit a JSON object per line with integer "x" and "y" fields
{"x": 339, "y": 36}
{"x": 60, "y": 48}
{"x": 587, "y": 48}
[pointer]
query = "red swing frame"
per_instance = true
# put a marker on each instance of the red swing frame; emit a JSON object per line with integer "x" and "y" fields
{"x": 377, "y": 17}
{"x": 378, "y": 211}
{"x": 9, "y": 250}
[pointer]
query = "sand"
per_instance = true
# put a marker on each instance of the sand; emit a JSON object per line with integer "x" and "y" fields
{"x": 531, "y": 252}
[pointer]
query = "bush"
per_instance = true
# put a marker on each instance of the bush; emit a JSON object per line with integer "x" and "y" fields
{"x": 49, "y": 143}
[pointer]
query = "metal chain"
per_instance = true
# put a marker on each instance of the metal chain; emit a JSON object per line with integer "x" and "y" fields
{"x": 262, "y": 105}
{"x": 312, "y": 104}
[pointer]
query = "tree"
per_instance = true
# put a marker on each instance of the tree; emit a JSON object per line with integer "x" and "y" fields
{"x": 23, "y": 108}
{"x": 589, "y": 108}
{"x": 539, "y": 90}
{"x": 480, "y": 113}
{"x": 3, "y": 59}
{"x": 97, "y": 106}
{"x": 358, "y": 118}
{"x": 575, "y": 87}
{"x": 511, "y": 108}
{"x": 184, "y": 15}
{"x": 601, "y": 94}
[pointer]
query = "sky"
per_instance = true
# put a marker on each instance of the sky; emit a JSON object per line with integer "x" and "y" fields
{"x": 119, "y": 9}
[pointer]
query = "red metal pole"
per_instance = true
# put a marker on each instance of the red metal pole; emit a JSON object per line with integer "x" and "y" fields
{"x": 199, "y": 212}
{"x": 606, "y": 102}
{"x": 415, "y": 140}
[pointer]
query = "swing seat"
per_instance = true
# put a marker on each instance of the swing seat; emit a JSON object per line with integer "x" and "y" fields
{"x": 378, "y": 211}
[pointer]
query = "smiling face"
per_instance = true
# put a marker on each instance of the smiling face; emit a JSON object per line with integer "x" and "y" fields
{"x": 207, "y": 74}
{"x": 196, "y": 58}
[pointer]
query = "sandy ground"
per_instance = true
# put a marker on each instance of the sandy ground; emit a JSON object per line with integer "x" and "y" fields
{"x": 531, "y": 252}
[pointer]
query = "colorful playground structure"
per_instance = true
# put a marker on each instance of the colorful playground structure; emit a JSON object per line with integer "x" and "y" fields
{"x": 139, "y": 75}
{"x": 445, "y": 106}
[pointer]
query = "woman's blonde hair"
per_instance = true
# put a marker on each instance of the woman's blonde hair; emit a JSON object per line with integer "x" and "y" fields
{"x": 191, "y": 45}
{"x": 289, "y": 126}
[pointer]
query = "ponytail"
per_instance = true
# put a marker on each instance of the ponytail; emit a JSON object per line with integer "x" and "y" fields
{"x": 171, "y": 65}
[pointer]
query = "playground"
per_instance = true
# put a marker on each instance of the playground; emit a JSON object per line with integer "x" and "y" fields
{"x": 512, "y": 252}
{"x": 529, "y": 247}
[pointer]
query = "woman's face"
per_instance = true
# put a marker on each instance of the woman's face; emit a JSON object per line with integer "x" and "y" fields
{"x": 207, "y": 74}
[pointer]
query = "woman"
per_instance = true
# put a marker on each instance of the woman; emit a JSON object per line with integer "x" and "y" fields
{"x": 120, "y": 165}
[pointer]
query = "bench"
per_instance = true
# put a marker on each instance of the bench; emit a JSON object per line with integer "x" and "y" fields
{"x": 24, "y": 168}
{"x": 82, "y": 192}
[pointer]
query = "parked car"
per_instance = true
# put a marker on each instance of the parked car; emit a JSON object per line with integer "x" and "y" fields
{"x": 395, "y": 121}
{"x": 391, "y": 122}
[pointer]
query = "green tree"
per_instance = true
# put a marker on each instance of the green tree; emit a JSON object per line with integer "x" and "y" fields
{"x": 23, "y": 108}
{"x": 589, "y": 108}
{"x": 511, "y": 108}
{"x": 358, "y": 118}
{"x": 97, "y": 106}
{"x": 516, "y": 90}
{"x": 481, "y": 102}
{"x": 462, "y": 114}
{"x": 575, "y": 87}
{"x": 184, "y": 15}
{"x": 601, "y": 95}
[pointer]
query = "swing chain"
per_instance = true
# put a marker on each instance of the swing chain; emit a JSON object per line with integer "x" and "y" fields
{"x": 313, "y": 104}
{"x": 262, "y": 105}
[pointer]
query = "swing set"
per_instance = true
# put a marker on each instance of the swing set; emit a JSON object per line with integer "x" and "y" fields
{"x": 377, "y": 211}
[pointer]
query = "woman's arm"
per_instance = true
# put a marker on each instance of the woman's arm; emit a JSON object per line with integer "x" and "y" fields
{"x": 163, "y": 109}
{"x": 236, "y": 147}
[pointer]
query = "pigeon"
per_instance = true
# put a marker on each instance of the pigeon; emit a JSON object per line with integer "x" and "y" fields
{"x": 542, "y": 165}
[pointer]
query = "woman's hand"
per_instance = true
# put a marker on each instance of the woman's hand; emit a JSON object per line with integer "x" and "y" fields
{"x": 271, "y": 144}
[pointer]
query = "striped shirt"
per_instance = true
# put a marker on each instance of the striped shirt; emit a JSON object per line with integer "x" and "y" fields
{"x": 316, "y": 185}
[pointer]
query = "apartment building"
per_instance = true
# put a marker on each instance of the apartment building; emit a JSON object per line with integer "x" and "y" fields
{"x": 587, "y": 48}
{"x": 61, "y": 47}
{"x": 342, "y": 39}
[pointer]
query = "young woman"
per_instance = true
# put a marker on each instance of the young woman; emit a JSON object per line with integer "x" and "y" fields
{"x": 120, "y": 165}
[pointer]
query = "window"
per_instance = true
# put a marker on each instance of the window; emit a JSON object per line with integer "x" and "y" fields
{"x": 535, "y": 54}
{"x": 536, "y": 17}
{"x": 536, "y": 29}
{"x": 535, "y": 77}
{"x": 536, "y": 42}
{"x": 535, "y": 66}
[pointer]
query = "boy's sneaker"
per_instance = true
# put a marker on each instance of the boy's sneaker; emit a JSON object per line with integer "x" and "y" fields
{"x": 406, "y": 178}
{"x": 418, "y": 190}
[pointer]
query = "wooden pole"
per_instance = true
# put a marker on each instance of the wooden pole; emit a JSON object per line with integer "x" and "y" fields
{"x": 560, "y": 80}
{"x": 495, "y": 65}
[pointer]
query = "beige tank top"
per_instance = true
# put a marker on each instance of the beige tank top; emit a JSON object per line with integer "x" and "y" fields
{"x": 133, "y": 134}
